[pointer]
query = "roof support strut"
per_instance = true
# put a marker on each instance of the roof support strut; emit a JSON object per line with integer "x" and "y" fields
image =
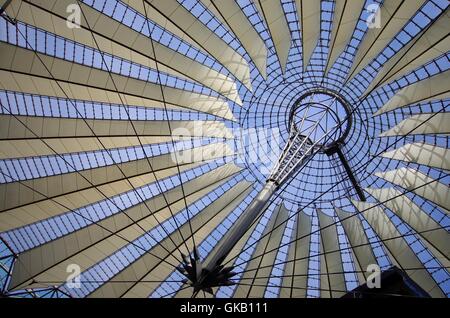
{"x": 212, "y": 273}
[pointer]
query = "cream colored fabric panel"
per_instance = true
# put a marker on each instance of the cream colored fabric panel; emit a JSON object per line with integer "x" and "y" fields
{"x": 154, "y": 279}
{"x": 47, "y": 208}
{"x": 243, "y": 29}
{"x": 429, "y": 89}
{"x": 254, "y": 275}
{"x": 309, "y": 16}
{"x": 295, "y": 286}
{"x": 421, "y": 124}
{"x": 345, "y": 17}
{"x": 269, "y": 259}
{"x": 26, "y": 83}
{"x": 413, "y": 215}
{"x": 21, "y": 148}
{"x": 399, "y": 248}
{"x": 90, "y": 244}
{"x": 16, "y": 194}
{"x": 323, "y": 289}
{"x": 410, "y": 179}
{"x": 273, "y": 14}
{"x": 29, "y": 127}
{"x": 421, "y": 153}
{"x": 124, "y": 42}
{"x": 426, "y": 46}
{"x": 202, "y": 225}
{"x": 208, "y": 40}
{"x": 333, "y": 260}
{"x": 361, "y": 248}
{"x": 20, "y": 60}
{"x": 394, "y": 15}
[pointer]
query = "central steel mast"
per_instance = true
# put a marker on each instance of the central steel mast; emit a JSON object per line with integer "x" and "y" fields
{"x": 297, "y": 152}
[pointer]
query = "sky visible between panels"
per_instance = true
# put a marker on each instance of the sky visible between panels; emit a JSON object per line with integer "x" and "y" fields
{"x": 266, "y": 108}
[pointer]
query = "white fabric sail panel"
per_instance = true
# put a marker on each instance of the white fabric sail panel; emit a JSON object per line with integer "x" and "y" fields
{"x": 46, "y": 208}
{"x": 421, "y": 153}
{"x": 204, "y": 37}
{"x": 32, "y": 127}
{"x": 421, "y": 184}
{"x": 429, "y": 89}
{"x": 90, "y": 244}
{"x": 255, "y": 278}
{"x": 415, "y": 217}
{"x": 229, "y": 58}
{"x": 273, "y": 14}
{"x": 25, "y": 83}
{"x": 17, "y": 194}
{"x": 398, "y": 247}
{"x": 21, "y": 148}
{"x": 309, "y": 15}
{"x": 233, "y": 16}
{"x": 394, "y": 15}
{"x": 23, "y": 61}
{"x": 332, "y": 256}
{"x": 269, "y": 259}
{"x": 345, "y": 18}
{"x": 124, "y": 42}
{"x": 324, "y": 286}
{"x": 154, "y": 279}
{"x": 357, "y": 237}
{"x": 295, "y": 281}
{"x": 202, "y": 225}
{"x": 434, "y": 123}
{"x": 431, "y": 43}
